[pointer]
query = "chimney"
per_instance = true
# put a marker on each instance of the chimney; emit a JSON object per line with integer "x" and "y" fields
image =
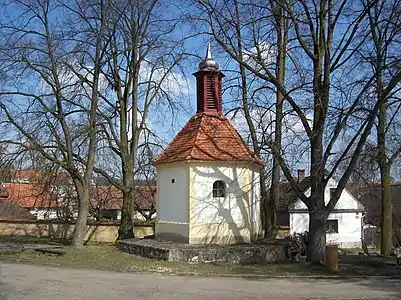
{"x": 301, "y": 174}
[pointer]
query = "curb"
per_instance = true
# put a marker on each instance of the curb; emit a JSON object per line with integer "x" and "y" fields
{"x": 265, "y": 276}
{"x": 223, "y": 275}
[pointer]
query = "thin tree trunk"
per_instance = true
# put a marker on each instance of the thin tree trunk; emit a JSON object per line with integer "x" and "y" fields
{"x": 248, "y": 117}
{"x": 386, "y": 213}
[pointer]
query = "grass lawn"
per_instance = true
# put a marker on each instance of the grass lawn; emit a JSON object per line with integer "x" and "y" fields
{"x": 108, "y": 258}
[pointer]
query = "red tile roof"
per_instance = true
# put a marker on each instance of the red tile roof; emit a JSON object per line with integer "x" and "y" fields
{"x": 111, "y": 198}
{"x": 207, "y": 137}
{"x": 39, "y": 176}
{"x": 29, "y": 195}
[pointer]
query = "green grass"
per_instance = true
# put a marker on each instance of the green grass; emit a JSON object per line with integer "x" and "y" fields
{"x": 108, "y": 258}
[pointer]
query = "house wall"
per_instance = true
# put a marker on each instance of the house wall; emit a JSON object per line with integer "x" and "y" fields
{"x": 136, "y": 216}
{"x": 349, "y": 228}
{"x": 232, "y": 219}
{"x": 44, "y": 213}
{"x": 349, "y": 223}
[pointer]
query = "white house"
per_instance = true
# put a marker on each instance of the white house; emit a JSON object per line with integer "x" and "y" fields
{"x": 344, "y": 224}
{"x": 207, "y": 177}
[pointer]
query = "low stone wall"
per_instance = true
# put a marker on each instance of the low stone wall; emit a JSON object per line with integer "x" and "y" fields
{"x": 104, "y": 232}
{"x": 257, "y": 253}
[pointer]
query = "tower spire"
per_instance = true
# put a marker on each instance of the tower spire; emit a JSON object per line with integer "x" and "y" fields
{"x": 209, "y": 64}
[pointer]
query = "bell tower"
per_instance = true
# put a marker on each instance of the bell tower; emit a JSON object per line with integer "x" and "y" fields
{"x": 209, "y": 85}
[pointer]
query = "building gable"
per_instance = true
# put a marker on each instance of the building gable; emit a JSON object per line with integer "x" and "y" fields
{"x": 346, "y": 202}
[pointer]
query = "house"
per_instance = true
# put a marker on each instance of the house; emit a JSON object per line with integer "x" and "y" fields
{"x": 33, "y": 198}
{"x": 344, "y": 224}
{"x": 207, "y": 177}
{"x": 106, "y": 201}
{"x": 370, "y": 195}
{"x": 49, "y": 196}
{"x": 9, "y": 210}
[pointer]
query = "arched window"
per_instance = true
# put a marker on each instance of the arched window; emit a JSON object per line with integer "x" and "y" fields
{"x": 219, "y": 189}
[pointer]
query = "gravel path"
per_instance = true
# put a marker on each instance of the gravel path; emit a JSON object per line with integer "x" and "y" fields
{"x": 25, "y": 282}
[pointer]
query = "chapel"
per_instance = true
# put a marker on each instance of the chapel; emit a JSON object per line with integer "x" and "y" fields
{"x": 208, "y": 189}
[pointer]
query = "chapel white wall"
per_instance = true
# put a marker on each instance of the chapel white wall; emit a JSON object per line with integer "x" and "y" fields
{"x": 172, "y": 203}
{"x": 230, "y": 209}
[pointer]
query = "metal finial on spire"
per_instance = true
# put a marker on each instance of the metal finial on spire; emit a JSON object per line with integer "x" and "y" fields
{"x": 209, "y": 51}
{"x": 209, "y": 64}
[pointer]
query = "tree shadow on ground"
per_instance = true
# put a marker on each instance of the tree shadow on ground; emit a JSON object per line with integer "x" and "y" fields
{"x": 4, "y": 290}
{"x": 24, "y": 240}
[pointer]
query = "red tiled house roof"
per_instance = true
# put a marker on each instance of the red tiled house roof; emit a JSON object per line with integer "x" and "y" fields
{"x": 111, "y": 198}
{"x": 29, "y": 195}
{"x": 207, "y": 137}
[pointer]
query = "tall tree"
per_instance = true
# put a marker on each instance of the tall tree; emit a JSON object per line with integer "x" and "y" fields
{"x": 46, "y": 50}
{"x": 281, "y": 27}
{"x": 143, "y": 51}
{"x": 317, "y": 52}
{"x": 385, "y": 60}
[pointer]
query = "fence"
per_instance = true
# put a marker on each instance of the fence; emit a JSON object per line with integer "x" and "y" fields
{"x": 105, "y": 232}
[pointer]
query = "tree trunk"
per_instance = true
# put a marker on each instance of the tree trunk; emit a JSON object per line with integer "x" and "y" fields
{"x": 386, "y": 213}
{"x": 282, "y": 30}
{"x": 316, "y": 237}
{"x": 80, "y": 226}
{"x": 126, "y": 229}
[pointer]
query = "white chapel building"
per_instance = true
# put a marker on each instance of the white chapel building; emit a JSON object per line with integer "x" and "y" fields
{"x": 208, "y": 188}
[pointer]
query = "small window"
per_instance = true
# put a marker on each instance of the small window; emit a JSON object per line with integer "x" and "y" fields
{"x": 332, "y": 226}
{"x": 219, "y": 189}
{"x": 173, "y": 180}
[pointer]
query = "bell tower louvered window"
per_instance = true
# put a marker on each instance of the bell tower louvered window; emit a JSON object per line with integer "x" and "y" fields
{"x": 211, "y": 104}
{"x": 209, "y": 91}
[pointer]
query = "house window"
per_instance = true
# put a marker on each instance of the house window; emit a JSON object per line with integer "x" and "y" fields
{"x": 219, "y": 189}
{"x": 332, "y": 226}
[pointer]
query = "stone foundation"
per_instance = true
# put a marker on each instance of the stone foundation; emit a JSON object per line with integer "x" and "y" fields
{"x": 256, "y": 253}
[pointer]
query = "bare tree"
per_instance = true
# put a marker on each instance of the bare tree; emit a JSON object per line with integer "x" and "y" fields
{"x": 142, "y": 54}
{"x": 281, "y": 27}
{"x": 317, "y": 55}
{"x": 48, "y": 106}
{"x": 382, "y": 55}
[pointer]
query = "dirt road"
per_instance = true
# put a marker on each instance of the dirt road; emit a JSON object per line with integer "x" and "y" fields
{"x": 23, "y": 282}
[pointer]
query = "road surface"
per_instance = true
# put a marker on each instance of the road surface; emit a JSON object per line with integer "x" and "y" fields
{"x": 23, "y": 282}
